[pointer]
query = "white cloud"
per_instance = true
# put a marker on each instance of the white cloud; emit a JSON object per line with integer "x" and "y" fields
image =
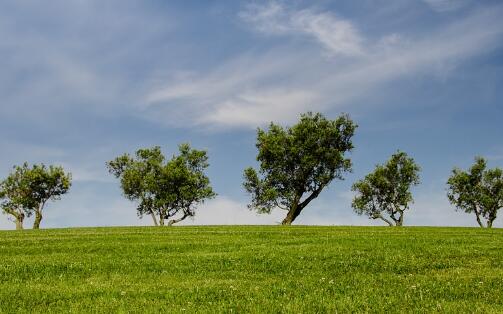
{"x": 250, "y": 108}
{"x": 255, "y": 89}
{"x": 225, "y": 211}
{"x": 270, "y": 18}
{"x": 338, "y": 36}
{"x": 434, "y": 209}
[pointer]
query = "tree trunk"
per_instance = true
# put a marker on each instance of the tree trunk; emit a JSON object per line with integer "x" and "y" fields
{"x": 492, "y": 217}
{"x": 154, "y": 218}
{"x": 490, "y": 221}
{"x": 19, "y": 222}
{"x": 174, "y": 221}
{"x": 399, "y": 223}
{"x": 297, "y": 207}
{"x": 384, "y": 219}
{"x": 292, "y": 214}
{"x": 478, "y": 218}
{"x": 38, "y": 219}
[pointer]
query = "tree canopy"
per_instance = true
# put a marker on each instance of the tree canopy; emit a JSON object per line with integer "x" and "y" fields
{"x": 298, "y": 162}
{"x": 386, "y": 191}
{"x": 478, "y": 190}
{"x": 163, "y": 189}
{"x": 27, "y": 190}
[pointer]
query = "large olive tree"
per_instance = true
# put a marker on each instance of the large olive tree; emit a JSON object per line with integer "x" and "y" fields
{"x": 164, "y": 189}
{"x": 27, "y": 190}
{"x": 478, "y": 190}
{"x": 385, "y": 193}
{"x": 298, "y": 162}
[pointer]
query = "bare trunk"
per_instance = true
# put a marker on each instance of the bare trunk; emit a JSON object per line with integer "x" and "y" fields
{"x": 18, "y": 215}
{"x": 292, "y": 214}
{"x": 297, "y": 207}
{"x": 174, "y": 221}
{"x": 154, "y": 218}
{"x": 384, "y": 219}
{"x": 19, "y": 222}
{"x": 399, "y": 223}
{"x": 492, "y": 217}
{"x": 490, "y": 221}
{"x": 477, "y": 214}
{"x": 38, "y": 219}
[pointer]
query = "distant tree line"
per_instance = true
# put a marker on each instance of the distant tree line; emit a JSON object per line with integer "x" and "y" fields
{"x": 295, "y": 164}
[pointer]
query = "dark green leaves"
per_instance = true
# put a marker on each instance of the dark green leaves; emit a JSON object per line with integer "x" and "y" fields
{"x": 387, "y": 189}
{"x": 297, "y": 162}
{"x": 27, "y": 189}
{"x": 161, "y": 188}
{"x": 477, "y": 190}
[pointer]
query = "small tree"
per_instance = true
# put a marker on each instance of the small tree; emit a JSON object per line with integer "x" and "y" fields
{"x": 387, "y": 190}
{"x": 298, "y": 162}
{"x": 28, "y": 189}
{"x": 164, "y": 189}
{"x": 477, "y": 190}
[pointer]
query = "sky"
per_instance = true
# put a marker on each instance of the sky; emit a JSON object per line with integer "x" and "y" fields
{"x": 83, "y": 81}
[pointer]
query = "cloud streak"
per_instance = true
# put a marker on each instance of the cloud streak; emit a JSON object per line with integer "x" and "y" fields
{"x": 254, "y": 89}
{"x": 337, "y": 35}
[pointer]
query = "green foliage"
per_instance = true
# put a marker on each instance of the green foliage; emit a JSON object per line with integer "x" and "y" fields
{"x": 387, "y": 189}
{"x": 252, "y": 269}
{"x": 27, "y": 189}
{"x": 297, "y": 162}
{"x": 477, "y": 190}
{"x": 162, "y": 188}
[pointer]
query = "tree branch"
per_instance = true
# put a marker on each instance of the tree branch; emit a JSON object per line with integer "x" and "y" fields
{"x": 311, "y": 197}
{"x": 279, "y": 206}
{"x": 477, "y": 214}
{"x": 379, "y": 216}
{"x": 174, "y": 221}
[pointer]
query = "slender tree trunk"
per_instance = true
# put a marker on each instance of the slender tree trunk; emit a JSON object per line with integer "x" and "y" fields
{"x": 399, "y": 223}
{"x": 38, "y": 219}
{"x": 477, "y": 214}
{"x": 297, "y": 207}
{"x": 18, "y": 216}
{"x": 292, "y": 214}
{"x": 174, "y": 221}
{"x": 491, "y": 219}
{"x": 154, "y": 218}
{"x": 19, "y": 222}
{"x": 384, "y": 219}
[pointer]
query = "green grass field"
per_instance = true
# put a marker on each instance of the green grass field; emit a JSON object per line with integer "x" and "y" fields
{"x": 252, "y": 269}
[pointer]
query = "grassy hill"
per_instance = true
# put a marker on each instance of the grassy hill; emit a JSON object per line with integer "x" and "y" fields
{"x": 252, "y": 269}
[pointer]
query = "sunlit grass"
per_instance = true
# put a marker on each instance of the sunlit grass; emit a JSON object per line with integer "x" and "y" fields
{"x": 252, "y": 269}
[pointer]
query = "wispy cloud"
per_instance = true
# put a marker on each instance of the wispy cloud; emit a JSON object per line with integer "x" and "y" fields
{"x": 55, "y": 63}
{"x": 254, "y": 89}
{"x": 337, "y": 35}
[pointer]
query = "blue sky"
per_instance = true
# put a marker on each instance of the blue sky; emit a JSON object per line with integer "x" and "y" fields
{"x": 84, "y": 81}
